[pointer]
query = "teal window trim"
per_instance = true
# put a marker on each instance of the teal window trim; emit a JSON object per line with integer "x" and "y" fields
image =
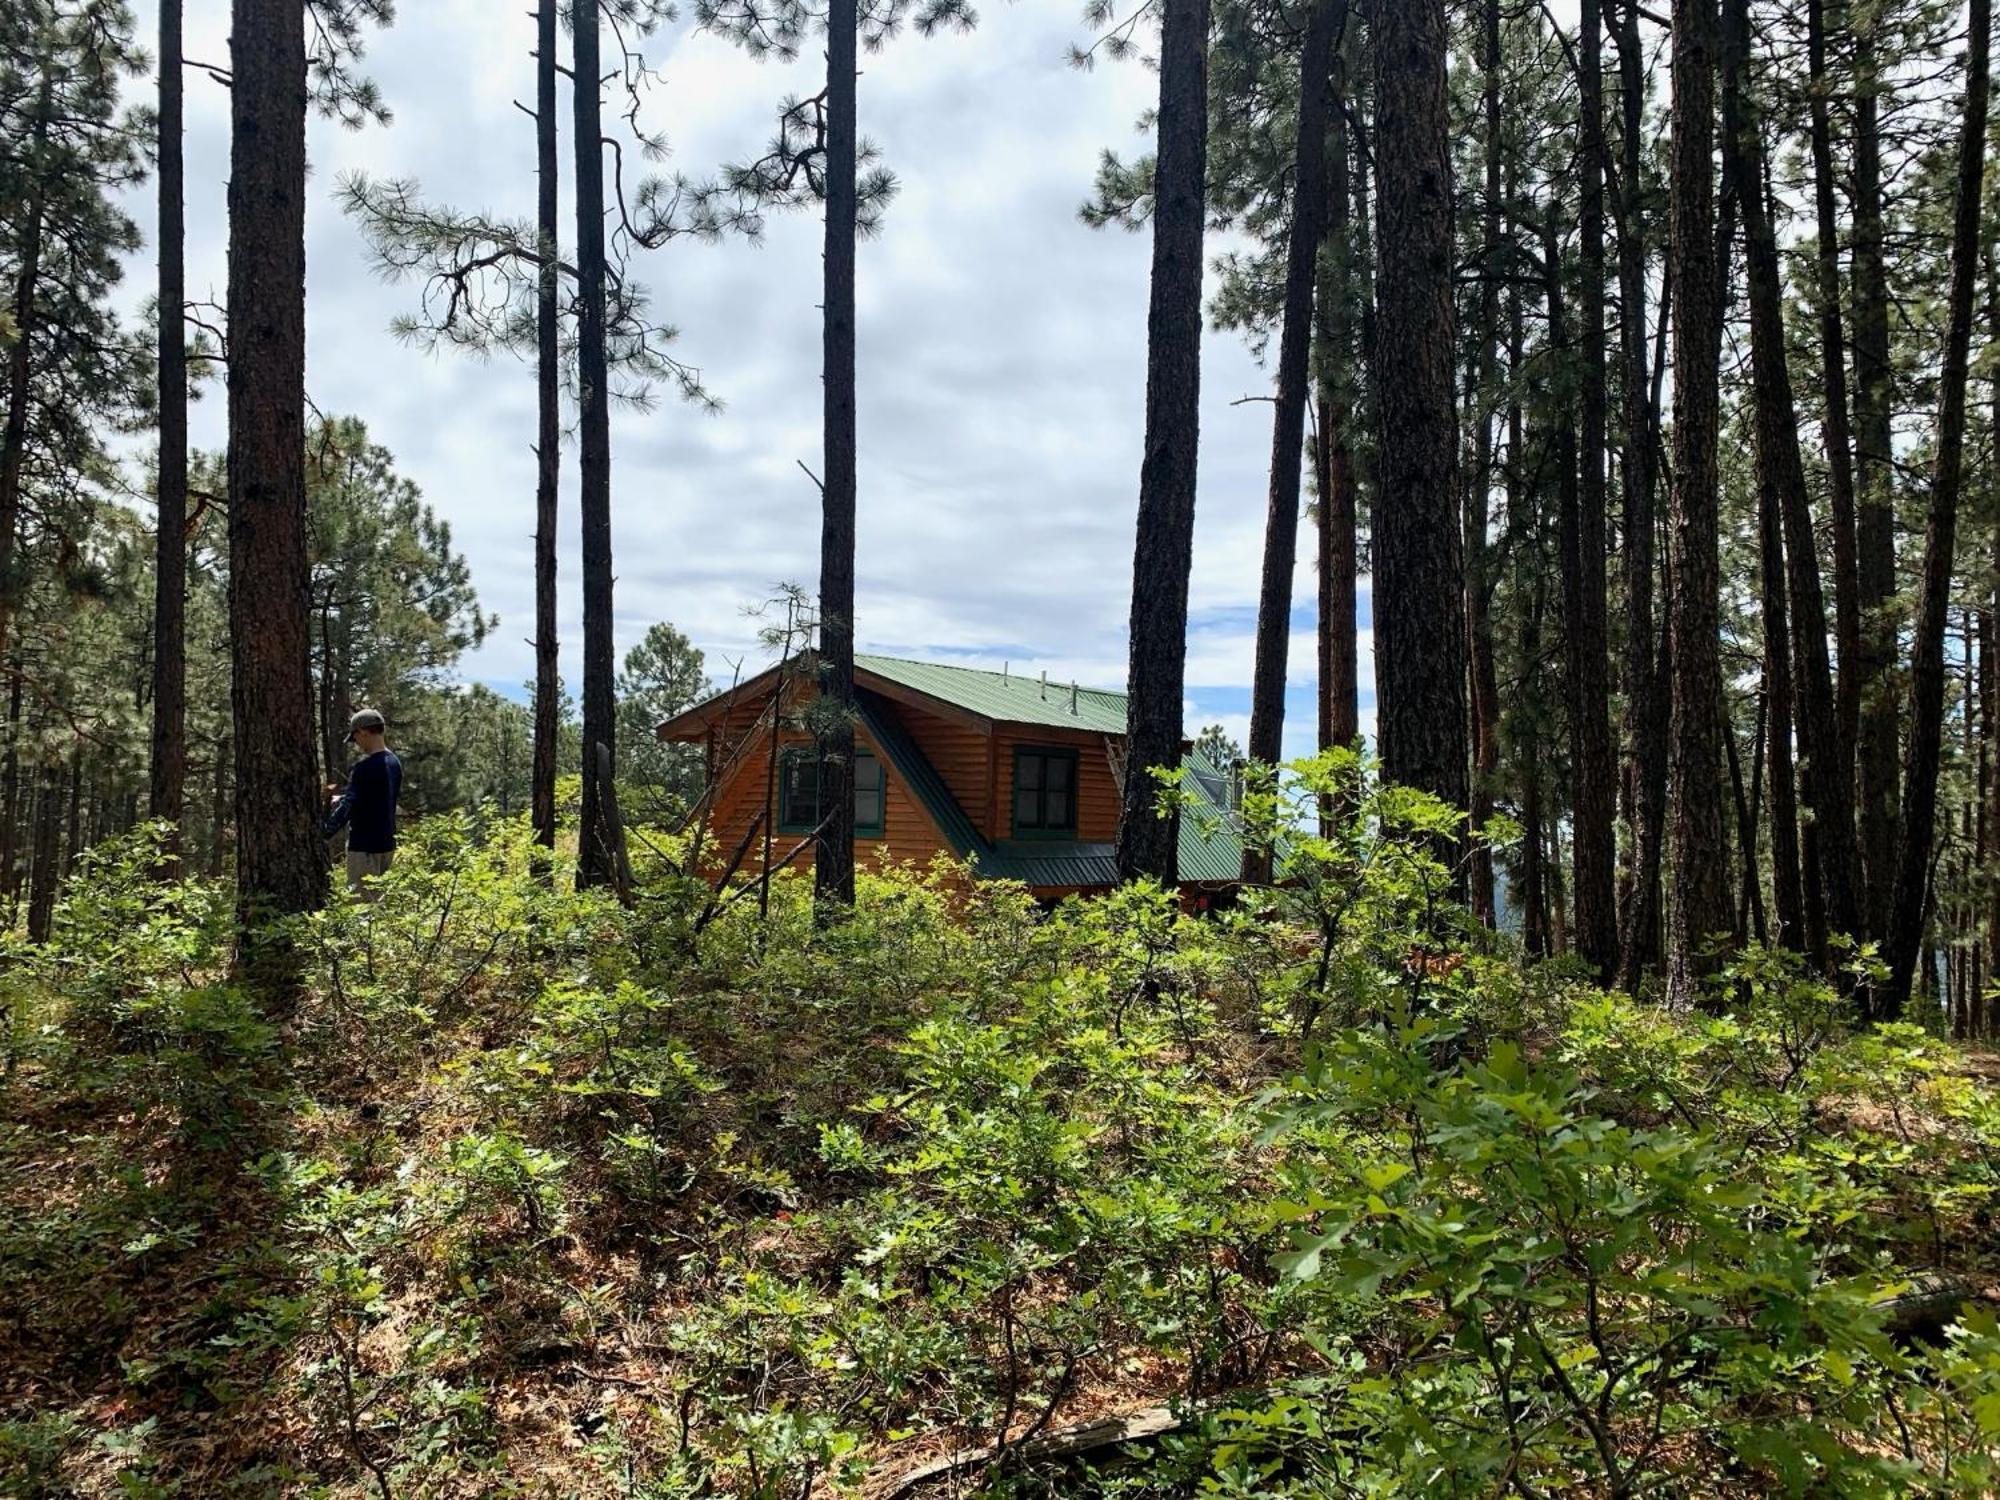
{"x": 1042, "y": 822}
{"x": 870, "y": 828}
{"x": 800, "y": 758}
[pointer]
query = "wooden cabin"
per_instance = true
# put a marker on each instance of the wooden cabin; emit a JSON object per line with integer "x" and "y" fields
{"x": 1018, "y": 776}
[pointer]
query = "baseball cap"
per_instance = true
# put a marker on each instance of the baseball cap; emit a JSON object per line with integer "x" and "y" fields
{"x": 368, "y": 719}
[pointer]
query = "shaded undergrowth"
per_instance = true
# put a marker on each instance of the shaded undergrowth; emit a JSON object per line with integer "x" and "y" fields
{"x": 537, "y": 1195}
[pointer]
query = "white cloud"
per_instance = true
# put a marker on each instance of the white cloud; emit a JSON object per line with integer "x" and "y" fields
{"x": 1001, "y": 348}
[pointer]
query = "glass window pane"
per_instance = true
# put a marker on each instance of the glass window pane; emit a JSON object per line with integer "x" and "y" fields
{"x": 1060, "y": 769}
{"x": 795, "y": 796}
{"x": 867, "y": 792}
{"x": 1027, "y": 808}
{"x": 1028, "y": 771}
{"x": 1059, "y": 810}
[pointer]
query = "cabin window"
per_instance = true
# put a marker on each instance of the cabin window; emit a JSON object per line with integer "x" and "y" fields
{"x": 798, "y": 793}
{"x": 1044, "y": 793}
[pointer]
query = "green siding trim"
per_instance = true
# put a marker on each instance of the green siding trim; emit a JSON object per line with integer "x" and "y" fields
{"x": 918, "y": 774}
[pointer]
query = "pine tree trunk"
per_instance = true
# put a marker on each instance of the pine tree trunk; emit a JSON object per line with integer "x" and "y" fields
{"x": 1534, "y": 863}
{"x": 43, "y": 867}
{"x": 74, "y": 843}
{"x": 1558, "y": 913}
{"x": 1750, "y": 908}
{"x": 14, "y": 442}
{"x": 1698, "y": 853}
{"x": 1164, "y": 550}
{"x": 1340, "y": 713}
{"x": 548, "y": 432}
{"x": 833, "y": 857}
{"x": 1483, "y": 679}
{"x": 1593, "y": 756}
{"x": 1288, "y": 425}
{"x": 1562, "y": 460}
{"x": 1420, "y": 647}
{"x": 1971, "y": 816}
{"x": 1830, "y": 902}
{"x": 1787, "y": 889}
{"x": 1339, "y": 688}
{"x": 167, "y": 792}
{"x": 1989, "y": 676}
{"x": 1643, "y": 779}
{"x": 11, "y": 797}
{"x": 1837, "y": 434}
{"x": 597, "y": 859}
{"x": 1875, "y": 747}
{"x": 1927, "y": 660}
{"x": 280, "y": 857}
{"x": 332, "y": 725}
{"x": 1523, "y": 722}
{"x": 218, "y": 849}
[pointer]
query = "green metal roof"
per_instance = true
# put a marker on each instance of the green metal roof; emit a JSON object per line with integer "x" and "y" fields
{"x": 1210, "y": 851}
{"x": 1211, "y": 848}
{"x": 1005, "y": 696}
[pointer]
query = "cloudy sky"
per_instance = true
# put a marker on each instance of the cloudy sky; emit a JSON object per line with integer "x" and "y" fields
{"x": 1001, "y": 355}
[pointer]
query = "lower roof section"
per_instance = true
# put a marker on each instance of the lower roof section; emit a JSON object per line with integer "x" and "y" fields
{"x": 1211, "y": 853}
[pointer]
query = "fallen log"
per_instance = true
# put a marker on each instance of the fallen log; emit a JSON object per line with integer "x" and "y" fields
{"x": 1933, "y": 1300}
{"x": 1064, "y": 1442}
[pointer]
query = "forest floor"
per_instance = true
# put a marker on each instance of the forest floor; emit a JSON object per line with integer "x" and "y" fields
{"x": 535, "y": 1196}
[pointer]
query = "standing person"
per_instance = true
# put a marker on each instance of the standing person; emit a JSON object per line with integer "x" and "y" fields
{"x": 367, "y": 809}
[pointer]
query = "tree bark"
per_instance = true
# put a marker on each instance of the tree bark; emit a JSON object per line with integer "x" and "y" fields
{"x": 1750, "y": 909}
{"x": 1288, "y": 424}
{"x": 597, "y": 860}
{"x": 1927, "y": 663}
{"x": 1838, "y": 431}
{"x": 280, "y": 857}
{"x": 1792, "y": 596}
{"x": 1523, "y": 722}
{"x": 11, "y": 797}
{"x": 1787, "y": 889}
{"x": 1562, "y": 449}
{"x": 1339, "y": 688}
{"x": 1593, "y": 757}
{"x": 1483, "y": 678}
{"x": 218, "y": 849}
{"x": 1698, "y": 863}
{"x": 1989, "y": 674}
{"x": 1420, "y": 648}
{"x": 1875, "y": 746}
{"x": 14, "y": 443}
{"x": 1164, "y": 551}
{"x": 548, "y": 434}
{"x": 73, "y": 844}
{"x": 1643, "y": 780}
{"x": 833, "y": 858}
{"x": 1339, "y": 708}
{"x": 45, "y": 854}
{"x": 167, "y": 790}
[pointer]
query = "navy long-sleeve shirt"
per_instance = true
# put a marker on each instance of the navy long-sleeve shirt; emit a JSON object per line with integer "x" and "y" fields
{"x": 367, "y": 809}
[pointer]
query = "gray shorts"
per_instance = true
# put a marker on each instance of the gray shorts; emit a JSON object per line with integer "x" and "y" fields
{"x": 361, "y": 866}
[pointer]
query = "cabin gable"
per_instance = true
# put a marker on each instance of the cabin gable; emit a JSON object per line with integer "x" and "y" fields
{"x": 1018, "y": 777}
{"x": 740, "y": 747}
